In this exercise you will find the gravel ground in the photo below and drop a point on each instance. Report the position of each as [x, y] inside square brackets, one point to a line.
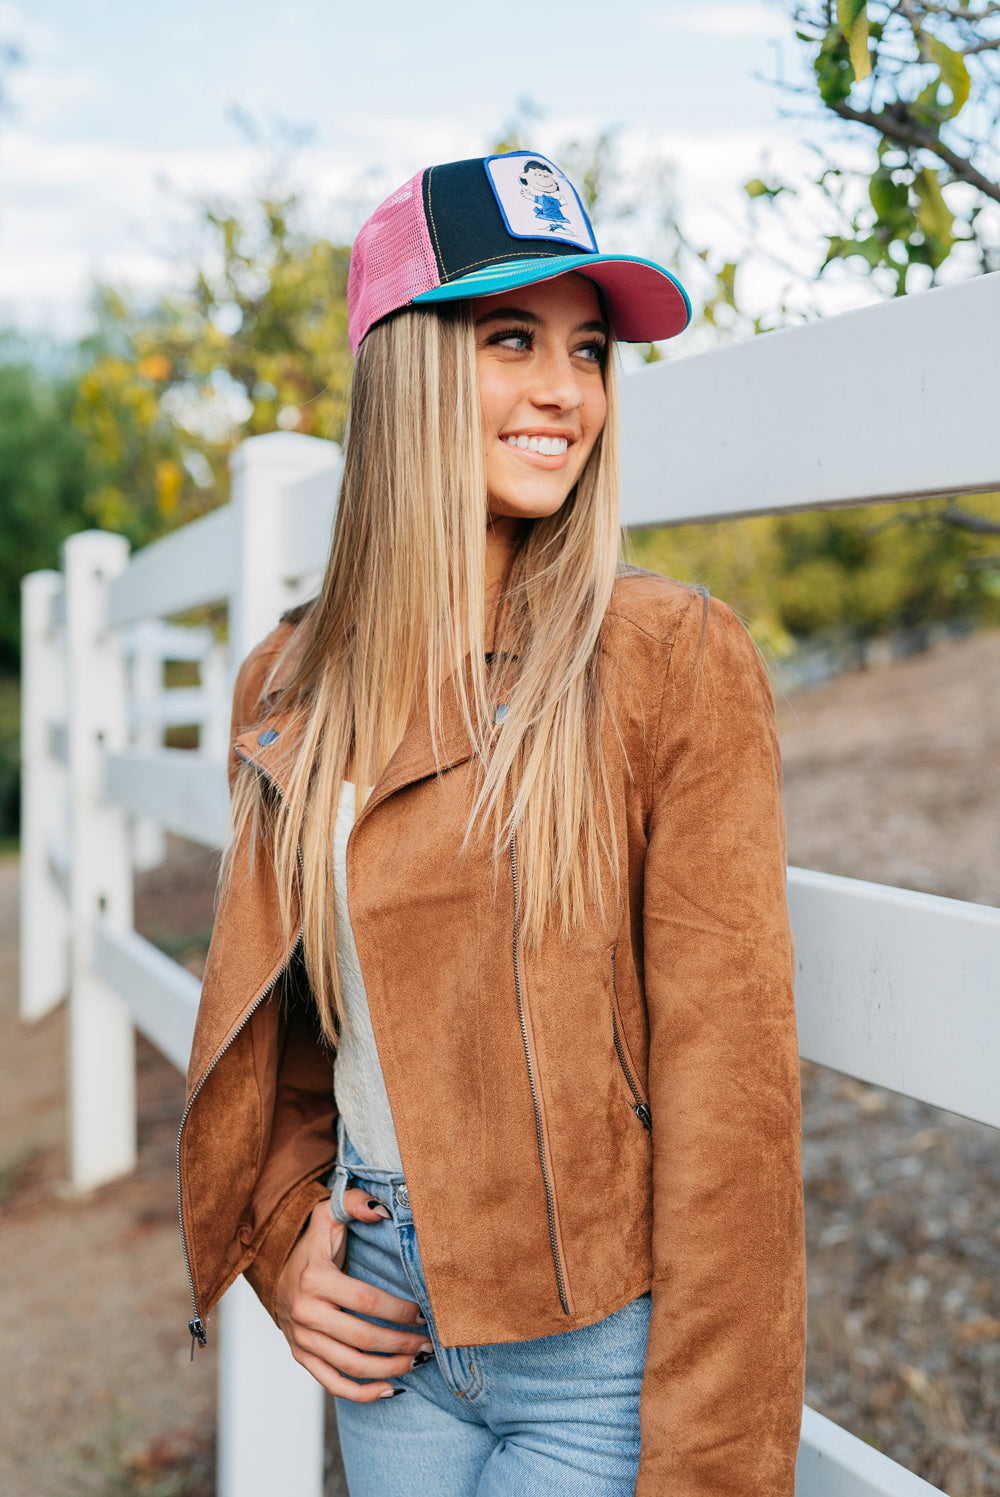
[891, 774]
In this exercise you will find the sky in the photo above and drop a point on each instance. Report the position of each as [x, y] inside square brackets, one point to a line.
[119, 114]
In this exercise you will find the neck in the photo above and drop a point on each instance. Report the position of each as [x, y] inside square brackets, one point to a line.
[502, 535]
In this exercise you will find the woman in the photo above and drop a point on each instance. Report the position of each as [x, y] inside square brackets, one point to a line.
[551, 958]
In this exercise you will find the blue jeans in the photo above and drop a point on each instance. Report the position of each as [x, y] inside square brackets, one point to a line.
[552, 1417]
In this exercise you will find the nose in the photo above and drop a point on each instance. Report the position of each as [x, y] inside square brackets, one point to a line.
[557, 386]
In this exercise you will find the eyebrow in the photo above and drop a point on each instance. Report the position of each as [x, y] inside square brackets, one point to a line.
[505, 314]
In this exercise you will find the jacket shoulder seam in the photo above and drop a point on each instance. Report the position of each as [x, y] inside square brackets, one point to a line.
[702, 596]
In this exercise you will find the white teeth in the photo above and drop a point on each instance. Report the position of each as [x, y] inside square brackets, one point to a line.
[547, 446]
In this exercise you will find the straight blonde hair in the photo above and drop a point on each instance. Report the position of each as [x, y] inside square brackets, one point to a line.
[402, 610]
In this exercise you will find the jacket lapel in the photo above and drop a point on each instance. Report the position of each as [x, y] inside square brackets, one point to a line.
[273, 744]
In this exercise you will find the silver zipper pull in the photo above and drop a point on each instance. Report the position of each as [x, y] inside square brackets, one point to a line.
[198, 1333]
[645, 1115]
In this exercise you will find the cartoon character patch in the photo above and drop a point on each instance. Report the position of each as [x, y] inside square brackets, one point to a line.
[537, 201]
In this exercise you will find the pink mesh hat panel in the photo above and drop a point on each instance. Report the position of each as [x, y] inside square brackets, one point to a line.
[392, 260]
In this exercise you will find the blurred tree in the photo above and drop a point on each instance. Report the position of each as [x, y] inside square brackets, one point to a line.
[257, 341]
[41, 480]
[920, 80]
[860, 572]
[41, 502]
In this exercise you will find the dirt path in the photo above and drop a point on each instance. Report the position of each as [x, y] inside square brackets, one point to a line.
[891, 775]
[99, 1395]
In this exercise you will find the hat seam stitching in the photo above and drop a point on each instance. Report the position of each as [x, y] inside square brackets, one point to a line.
[430, 213]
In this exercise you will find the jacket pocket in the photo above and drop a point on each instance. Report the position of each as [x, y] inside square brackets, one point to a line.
[640, 1106]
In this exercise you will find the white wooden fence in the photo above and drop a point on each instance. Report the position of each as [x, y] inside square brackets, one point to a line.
[896, 988]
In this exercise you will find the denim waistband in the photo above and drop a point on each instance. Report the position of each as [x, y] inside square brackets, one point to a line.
[350, 1167]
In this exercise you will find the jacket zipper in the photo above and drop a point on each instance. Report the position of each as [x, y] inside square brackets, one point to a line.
[550, 1204]
[196, 1325]
[640, 1106]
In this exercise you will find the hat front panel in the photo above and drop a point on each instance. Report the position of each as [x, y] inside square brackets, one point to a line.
[466, 226]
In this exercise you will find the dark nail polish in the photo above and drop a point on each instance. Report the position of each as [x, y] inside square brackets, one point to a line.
[422, 1357]
[373, 1205]
[394, 1394]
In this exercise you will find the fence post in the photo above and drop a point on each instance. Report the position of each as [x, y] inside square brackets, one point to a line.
[262, 1390]
[262, 468]
[271, 1412]
[44, 848]
[101, 1037]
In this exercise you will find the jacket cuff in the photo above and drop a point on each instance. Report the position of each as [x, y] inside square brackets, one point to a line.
[284, 1232]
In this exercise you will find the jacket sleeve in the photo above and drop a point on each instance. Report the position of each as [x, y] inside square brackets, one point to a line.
[722, 1392]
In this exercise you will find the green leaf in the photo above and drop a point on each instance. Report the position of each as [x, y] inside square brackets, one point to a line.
[953, 72]
[852, 18]
[834, 74]
[889, 199]
[727, 282]
[756, 188]
[933, 214]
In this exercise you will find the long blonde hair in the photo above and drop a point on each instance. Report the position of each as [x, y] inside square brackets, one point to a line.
[402, 603]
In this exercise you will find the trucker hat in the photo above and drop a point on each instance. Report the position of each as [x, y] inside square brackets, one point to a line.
[493, 223]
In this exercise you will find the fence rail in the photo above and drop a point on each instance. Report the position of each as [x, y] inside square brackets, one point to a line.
[894, 987]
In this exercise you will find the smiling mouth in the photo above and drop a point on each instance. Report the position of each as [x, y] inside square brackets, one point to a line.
[544, 446]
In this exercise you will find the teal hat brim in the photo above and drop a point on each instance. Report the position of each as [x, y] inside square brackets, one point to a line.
[645, 301]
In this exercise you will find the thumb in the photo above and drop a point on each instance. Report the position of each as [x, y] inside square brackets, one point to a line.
[364, 1207]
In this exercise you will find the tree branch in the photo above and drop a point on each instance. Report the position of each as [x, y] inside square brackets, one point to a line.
[895, 123]
[963, 520]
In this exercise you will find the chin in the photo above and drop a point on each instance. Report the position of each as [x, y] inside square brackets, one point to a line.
[523, 508]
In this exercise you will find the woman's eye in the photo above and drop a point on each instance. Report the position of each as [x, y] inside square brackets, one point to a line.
[517, 339]
[593, 352]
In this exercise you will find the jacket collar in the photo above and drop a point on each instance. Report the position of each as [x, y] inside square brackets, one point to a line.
[272, 745]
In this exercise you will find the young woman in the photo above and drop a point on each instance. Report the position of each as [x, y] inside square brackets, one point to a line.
[503, 941]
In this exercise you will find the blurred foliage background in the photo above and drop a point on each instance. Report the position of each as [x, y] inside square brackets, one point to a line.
[131, 428]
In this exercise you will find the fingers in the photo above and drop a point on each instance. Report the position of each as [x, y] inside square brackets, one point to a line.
[349, 1361]
[323, 1290]
[341, 1387]
[363, 1207]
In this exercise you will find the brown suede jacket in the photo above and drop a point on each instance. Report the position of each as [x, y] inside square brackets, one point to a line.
[614, 1114]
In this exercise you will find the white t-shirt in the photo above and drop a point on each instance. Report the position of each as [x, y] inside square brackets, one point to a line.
[359, 1089]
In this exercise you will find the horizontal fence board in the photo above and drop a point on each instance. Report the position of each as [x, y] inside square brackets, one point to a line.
[167, 641]
[192, 566]
[181, 791]
[783, 421]
[180, 706]
[899, 989]
[161, 995]
[833, 1463]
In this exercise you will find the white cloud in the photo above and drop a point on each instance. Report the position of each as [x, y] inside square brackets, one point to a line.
[726, 18]
[77, 211]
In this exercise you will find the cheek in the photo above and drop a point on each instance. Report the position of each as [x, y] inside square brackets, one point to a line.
[595, 413]
[495, 399]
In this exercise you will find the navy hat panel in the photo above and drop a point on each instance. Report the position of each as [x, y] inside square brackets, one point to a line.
[466, 226]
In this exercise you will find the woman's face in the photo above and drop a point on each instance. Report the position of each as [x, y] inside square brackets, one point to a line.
[540, 352]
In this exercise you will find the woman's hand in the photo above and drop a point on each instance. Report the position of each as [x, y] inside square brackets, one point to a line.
[313, 1294]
